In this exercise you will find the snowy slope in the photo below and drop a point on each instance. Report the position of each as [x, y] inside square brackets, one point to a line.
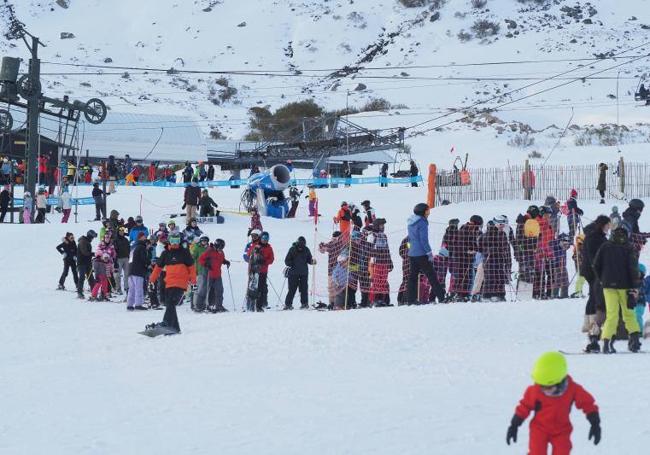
[77, 378]
[317, 38]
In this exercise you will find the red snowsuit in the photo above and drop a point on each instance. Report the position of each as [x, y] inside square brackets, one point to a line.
[551, 423]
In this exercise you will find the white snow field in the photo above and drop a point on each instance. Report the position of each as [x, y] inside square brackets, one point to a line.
[76, 378]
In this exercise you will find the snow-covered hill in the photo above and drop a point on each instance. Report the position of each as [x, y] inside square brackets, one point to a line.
[342, 52]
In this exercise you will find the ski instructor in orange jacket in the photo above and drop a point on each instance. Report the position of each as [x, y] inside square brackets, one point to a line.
[179, 272]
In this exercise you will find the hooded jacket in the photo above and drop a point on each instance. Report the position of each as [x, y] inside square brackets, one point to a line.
[298, 259]
[418, 234]
[616, 264]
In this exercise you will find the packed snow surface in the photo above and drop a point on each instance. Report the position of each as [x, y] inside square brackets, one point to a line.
[77, 378]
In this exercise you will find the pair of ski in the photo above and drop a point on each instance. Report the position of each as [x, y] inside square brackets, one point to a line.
[599, 353]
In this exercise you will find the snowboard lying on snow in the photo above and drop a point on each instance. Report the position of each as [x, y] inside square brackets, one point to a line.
[158, 330]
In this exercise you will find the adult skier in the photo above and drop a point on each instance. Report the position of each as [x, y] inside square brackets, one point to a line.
[122, 252]
[179, 273]
[294, 197]
[66, 205]
[369, 213]
[68, 249]
[191, 199]
[212, 259]
[137, 271]
[343, 218]
[495, 248]
[630, 222]
[298, 260]
[134, 232]
[84, 262]
[263, 255]
[617, 267]
[420, 254]
[100, 202]
[551, 399]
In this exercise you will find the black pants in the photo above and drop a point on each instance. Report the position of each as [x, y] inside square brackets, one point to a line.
[40, 218]
[421, 264]
[67, 265]
[3, 213]
[173, 296]
[100, 211]
[602, 194]
[297, 282]
[84, 271]
[263, 292]
[292, 210]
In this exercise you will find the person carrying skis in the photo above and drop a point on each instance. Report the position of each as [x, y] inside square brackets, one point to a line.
[84, 262]
[137, 271]
[212, 259]
[264, 251]
[298, 260]
[68, 249]
[617, 267]
[420, 254]
[551, 399]
[574, 214]
[179, 273]
[196, 250]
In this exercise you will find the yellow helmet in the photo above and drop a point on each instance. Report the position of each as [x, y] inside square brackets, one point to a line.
[550, 369]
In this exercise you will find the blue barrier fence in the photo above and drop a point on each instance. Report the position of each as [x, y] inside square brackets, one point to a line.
[53, 200]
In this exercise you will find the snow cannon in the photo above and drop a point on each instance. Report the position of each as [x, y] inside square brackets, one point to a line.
[265, 191]
[275, 179]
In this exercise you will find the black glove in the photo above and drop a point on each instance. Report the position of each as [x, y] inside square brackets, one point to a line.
[631, 299]
[226, 263]
[515, 423]
[183, 207]
[594, 431]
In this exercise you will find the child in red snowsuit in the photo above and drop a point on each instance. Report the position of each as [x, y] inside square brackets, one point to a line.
[551, 397]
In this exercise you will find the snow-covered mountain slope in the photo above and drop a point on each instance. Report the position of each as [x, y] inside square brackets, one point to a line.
[77, 378]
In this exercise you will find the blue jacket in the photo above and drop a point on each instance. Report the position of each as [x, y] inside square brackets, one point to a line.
[418, 231]
[133, 234]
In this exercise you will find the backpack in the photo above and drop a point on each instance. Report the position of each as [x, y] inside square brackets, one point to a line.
[531, 228]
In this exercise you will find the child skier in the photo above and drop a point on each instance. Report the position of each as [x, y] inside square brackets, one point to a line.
[28, 204]
[313, 200]
[551, 398]
[100, 265]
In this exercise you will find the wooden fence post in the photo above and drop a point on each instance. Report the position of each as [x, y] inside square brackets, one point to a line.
[431, 191]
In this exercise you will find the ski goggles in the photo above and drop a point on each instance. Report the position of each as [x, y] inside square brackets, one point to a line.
[555, 390]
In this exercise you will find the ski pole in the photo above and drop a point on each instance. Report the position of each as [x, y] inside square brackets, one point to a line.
[274, 291]
[282, 291]
[232, 296]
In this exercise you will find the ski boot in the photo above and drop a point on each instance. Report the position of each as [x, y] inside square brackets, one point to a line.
[80, 295]
[304, 306]
[91, 299]
[576, 295]
[593, 347]
[602, 201]
[633, 344]
[287, 308]
[608, 346]
[60, 287]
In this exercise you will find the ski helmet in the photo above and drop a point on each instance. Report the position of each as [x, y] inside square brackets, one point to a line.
[91, 234]
[533, 211]
[344, 204]
[204, 238]
[219, 244]
[550, 369]
[642, 269]
[637, 204]
[365, 203]
[265, 236]
[256, 232]
[420, 209]
[171, 223]
[138, 219]
[175, 239]
[574, 192]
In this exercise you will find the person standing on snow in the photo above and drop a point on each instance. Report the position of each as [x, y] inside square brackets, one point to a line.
[420, 254]
[551, 399]
[68, 249]
[575, 212]
[41, 205]
[615, 217]
[369, 217]
[343, 218]
[84, 262]
[196, 250]
[100, 202]
[602, 181]
[192, 231]
[298, 260]
[313, 199]
[294, 197]
[630, 222]
[212, 259]
[134, 232]
[179, 273]
[267, 258]
[383, 175]
[617, 267]
[137, 271]
[256, 222]
[414, 173]
[191, 199]
[5, 198]
[28, 206]
[66, 205]
[122, 252]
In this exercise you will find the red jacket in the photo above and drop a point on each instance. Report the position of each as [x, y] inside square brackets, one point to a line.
[216, 259]
[267, 255]
[552, 413]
